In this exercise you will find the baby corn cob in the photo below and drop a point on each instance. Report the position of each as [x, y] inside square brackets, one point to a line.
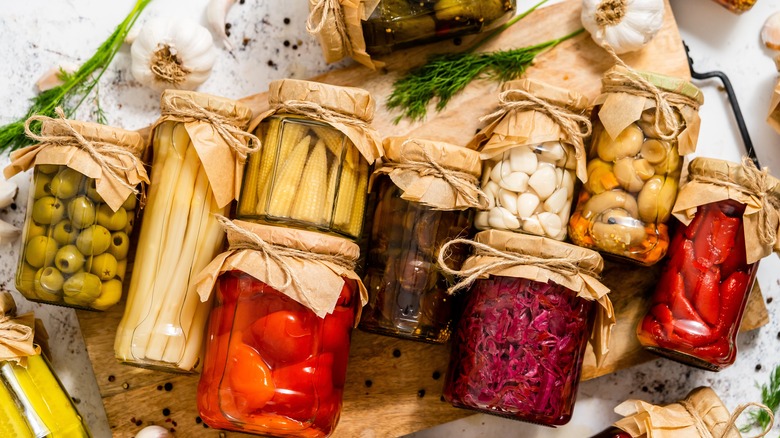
[295, 132]
[334, 140]
[356, 219]
[264, 162]
[286, 184]
[346, 193]
[309, 203]
[333, 184]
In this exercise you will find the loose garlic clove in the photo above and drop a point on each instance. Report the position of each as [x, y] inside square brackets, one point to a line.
[216, 12]
[8, 233]
[527, 204]
[770, 33]
[7, 192]
[508, 200]
[522, 159]
[543, 181]
[515, 182]
[53, 77]
[154, 432]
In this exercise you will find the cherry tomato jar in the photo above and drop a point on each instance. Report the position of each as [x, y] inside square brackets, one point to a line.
[274, 366]
[697, 307]
[520, 342]
[612, 432]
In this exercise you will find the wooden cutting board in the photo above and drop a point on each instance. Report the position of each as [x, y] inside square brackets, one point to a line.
[393, 387]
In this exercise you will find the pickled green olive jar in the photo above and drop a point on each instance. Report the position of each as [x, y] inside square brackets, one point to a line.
[310, 174]
[80, 214]
[407, 290]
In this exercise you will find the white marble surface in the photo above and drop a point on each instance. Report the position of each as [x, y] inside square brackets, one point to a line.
[39, 35]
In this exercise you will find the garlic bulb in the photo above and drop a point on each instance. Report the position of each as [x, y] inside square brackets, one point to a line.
[216, 12]
[623, 25]
[770, 33]
[172, 53]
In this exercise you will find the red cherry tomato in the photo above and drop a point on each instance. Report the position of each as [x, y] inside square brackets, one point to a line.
[284, 337]
[229, 286]
[248, 378]
[301, 387]
[336, 332]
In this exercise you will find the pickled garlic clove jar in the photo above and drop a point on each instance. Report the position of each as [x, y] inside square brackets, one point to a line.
[309, 174]
[276, 358]
[407, 292]
[76, 237]
[696, 310]
[531, 165]
[634, 168]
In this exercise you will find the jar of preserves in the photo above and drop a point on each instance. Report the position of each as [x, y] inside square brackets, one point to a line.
[534, 152]
[425, 193]
[695, 313]
[736, 6]
[279, 334]
[81, 210]
[520, 341]
[312, 171]
[643, 125]
[199, 148]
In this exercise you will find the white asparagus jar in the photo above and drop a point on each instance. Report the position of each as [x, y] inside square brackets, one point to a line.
[533, 153]
[199, 149]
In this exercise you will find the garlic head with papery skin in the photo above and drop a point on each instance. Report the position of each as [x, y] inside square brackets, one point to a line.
[172, 53]
[623, 25]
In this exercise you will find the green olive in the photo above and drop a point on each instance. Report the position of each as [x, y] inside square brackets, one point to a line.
[103, 265]
[64, 232]
[34, 229]
[130, 203]
[120, 245]
[25, 278]
[48, 210]
[81, 212]
[42, 185]
[47, 168]
[92, 191]
[82, 288]
[130, 224]
[110, 294]
[68, 259]
[93, 240]
[48, 283]
[66, 183]
[121, 269]
[113, 220]
[40, 251]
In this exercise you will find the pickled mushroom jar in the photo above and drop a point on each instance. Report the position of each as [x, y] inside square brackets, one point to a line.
[696, 310]
[199, 146]
[737, 6]
[419, 208]
[634, 164]
[520, 341]
[80, 214]
[276, 354]
[313, 169]
[534, 153]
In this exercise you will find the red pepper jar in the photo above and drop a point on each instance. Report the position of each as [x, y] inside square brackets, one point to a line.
[695, 313]
[276, 356]
[520, 342]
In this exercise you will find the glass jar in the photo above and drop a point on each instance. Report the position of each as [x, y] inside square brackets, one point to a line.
[76, 243]
[612, 432]
[399, 24]
[33, 403]
[309, 174]
[164, 320]
[520, 342]
[736, 6]
[407, 291]
[633, 173]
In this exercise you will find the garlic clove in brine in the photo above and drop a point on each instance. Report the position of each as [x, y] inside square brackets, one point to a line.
[172, 53]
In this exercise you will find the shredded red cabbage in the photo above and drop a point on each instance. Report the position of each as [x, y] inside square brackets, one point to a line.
[518, 350]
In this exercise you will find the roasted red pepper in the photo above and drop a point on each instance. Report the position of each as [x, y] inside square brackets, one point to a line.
[698, 304]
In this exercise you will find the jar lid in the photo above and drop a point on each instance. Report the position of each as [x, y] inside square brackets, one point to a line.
[728, 171]
[179, 102]
[667, 83]
[449, 156]
[302, 240]
[542, 247]
[96, 132]
[552, 94]
[349, 101]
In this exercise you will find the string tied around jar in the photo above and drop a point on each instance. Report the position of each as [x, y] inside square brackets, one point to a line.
[576, 127]
[704, 431]
[323, 11]
[463, 183]
[240, 141]
[505, 259]
[279, 255]
[316, 111]
[103, 153]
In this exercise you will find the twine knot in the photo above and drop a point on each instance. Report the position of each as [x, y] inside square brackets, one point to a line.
[318, 112]
[704, 431]
[323, 11]
[503, 260]
[240, 141]
[104, 154]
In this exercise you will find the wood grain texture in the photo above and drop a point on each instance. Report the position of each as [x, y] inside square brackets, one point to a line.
[403, 395]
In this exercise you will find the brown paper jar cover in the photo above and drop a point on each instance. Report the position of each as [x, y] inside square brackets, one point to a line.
[342, 36]
[16, 333]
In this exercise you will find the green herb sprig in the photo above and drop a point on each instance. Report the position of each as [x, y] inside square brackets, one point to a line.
[445, 75]
[76, 87]
[770, 396]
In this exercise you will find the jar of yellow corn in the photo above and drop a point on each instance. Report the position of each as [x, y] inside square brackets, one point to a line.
[312, 170]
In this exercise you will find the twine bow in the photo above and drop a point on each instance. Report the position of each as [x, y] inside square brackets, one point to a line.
[323, 11]
[576, 127]
[279, 255]
[240, 141]
[504, 260]
[704, 432]
[463, 183]
[104, 154]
